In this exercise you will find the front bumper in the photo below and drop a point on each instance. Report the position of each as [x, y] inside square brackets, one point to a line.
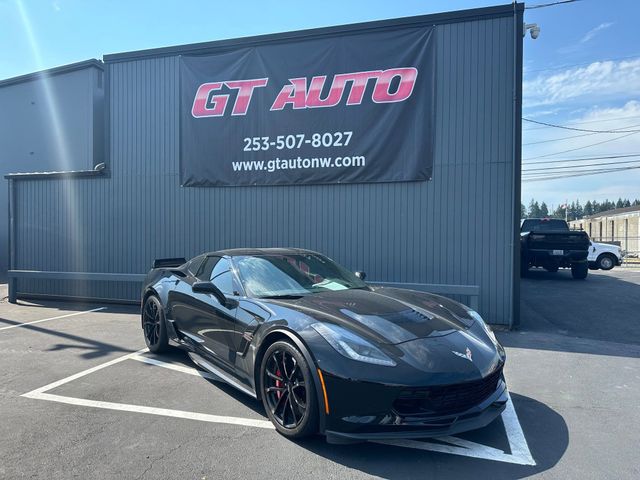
[367, 411]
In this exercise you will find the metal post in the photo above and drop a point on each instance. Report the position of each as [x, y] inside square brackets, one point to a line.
[13, 282]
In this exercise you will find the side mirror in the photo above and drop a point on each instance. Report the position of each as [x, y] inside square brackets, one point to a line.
[210, 288]
[361, 275]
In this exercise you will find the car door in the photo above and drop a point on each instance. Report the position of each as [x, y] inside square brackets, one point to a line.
[212, 324]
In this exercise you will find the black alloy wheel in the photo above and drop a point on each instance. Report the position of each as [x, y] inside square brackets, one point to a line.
[155, 330]
[288, 392]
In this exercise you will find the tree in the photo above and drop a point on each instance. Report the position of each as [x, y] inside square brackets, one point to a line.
[523, 211]
[626, 203]
[579, 210]
[534, 209]
[636, 202]
[544, 210]
[619, 203]
[588, 209]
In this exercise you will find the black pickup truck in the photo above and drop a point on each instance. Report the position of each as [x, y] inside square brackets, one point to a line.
[549, 243]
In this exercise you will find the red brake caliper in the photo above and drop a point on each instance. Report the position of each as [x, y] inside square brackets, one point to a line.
[278, 384]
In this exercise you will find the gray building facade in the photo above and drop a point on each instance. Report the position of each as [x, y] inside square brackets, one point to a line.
[455, 234]
[49, 121]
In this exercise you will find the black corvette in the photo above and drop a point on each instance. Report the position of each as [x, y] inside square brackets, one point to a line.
[324, 351]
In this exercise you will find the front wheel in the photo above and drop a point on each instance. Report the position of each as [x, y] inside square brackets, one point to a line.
[606, 262]
[288, 392]
[579, 271]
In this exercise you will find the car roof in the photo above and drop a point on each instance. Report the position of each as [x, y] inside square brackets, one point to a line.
[234, 252]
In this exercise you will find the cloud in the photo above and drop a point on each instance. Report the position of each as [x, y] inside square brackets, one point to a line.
[594, 31]
[625, 184]
[604, 79]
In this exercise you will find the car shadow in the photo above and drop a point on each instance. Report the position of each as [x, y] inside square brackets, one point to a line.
[545, 430]
[91, 348]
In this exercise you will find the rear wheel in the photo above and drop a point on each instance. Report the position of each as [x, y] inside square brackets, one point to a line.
[579, 271]
[154, 326]
[288, 391]
[606, 262]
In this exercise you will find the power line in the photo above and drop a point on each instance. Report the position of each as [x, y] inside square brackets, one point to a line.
[543, 5]
[564, 167]
[583, 122]
[582, 148]
[558, 139]
[584, 159]
[540, 179]
[578, 129]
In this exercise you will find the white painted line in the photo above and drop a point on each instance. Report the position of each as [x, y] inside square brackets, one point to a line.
[519, 455]
[39, 394]
[177, 368]
[52, 318]
[166, 412]
[71, 378]
[517, 442]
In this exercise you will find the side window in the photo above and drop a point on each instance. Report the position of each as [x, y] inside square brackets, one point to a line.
[204, 272]
[222, 277]
[195, 264]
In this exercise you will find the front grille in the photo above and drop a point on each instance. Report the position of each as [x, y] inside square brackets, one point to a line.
[446, 399]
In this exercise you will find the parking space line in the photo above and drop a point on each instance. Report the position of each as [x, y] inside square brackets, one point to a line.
[52, 318]
[73, 377]
[520, 453]
[177, 368]
[166, 412]
[519, 449]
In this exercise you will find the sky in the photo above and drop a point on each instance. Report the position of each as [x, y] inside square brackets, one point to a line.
[583, 71]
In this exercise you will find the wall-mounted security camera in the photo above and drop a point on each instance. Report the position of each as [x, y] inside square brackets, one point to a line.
[534, 30]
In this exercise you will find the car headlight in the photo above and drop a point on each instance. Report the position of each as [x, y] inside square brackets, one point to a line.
[478, 318]
[351, 345]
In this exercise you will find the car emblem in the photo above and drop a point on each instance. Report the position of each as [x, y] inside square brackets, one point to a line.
[466, 355]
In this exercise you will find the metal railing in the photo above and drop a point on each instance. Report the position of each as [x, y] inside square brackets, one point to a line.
[15, 275]
[471, 292]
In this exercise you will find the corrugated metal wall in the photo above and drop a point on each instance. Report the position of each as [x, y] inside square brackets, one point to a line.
[456, 229]
[34, 139]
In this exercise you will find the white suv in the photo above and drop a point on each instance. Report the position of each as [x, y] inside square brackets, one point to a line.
[604, 256]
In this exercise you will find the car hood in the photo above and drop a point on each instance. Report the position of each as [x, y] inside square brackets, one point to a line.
[385, 315]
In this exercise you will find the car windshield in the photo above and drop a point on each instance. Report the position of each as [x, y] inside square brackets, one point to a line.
[292, 275]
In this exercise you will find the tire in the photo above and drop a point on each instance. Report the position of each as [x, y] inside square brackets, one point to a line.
[606, 262]
[551, 268]
[154, 326]
[285, 375]
[579, 271]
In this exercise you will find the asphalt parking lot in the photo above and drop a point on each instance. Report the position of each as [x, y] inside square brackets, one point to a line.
[81, 398]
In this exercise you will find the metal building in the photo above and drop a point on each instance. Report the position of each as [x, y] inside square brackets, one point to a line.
[92, 233]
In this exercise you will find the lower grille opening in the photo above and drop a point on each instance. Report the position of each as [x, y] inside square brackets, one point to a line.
[446, 399]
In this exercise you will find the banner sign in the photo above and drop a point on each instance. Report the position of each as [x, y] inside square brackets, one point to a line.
[350, 108]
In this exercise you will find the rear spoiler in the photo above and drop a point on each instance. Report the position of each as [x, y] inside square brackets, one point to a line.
[168, 262]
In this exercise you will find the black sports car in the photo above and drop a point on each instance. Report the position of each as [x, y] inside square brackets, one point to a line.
[324, 351]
